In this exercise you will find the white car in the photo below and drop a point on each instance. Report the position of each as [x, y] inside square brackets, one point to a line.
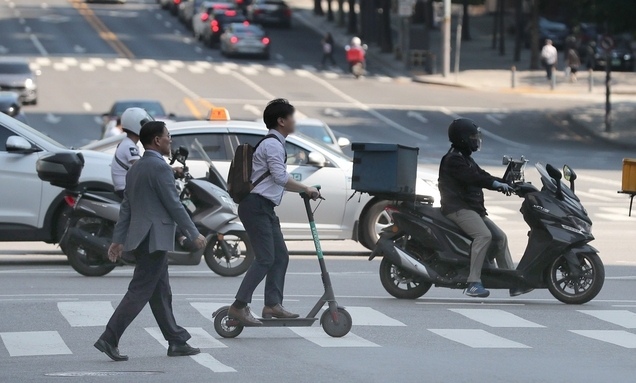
[33, 210]
[339, 216]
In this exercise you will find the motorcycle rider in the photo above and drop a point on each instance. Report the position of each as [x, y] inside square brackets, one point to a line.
[355, 53]
[461, 182]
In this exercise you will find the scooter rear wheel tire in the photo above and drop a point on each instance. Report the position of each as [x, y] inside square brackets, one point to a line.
[223, 329]
[392, 285]
[333, 329]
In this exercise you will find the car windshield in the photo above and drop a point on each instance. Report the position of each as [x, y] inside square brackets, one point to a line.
[246, 30]
[28, 132]
[316, 132]
[153, 108]
[14, 68]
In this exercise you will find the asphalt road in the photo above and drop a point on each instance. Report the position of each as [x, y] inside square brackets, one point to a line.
[91, 55]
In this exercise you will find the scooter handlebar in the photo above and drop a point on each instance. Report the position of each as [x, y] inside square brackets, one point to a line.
[307, 196]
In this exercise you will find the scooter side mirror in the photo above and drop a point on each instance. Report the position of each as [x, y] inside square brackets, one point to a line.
[569, 174]
[553, 172]
[506, 160]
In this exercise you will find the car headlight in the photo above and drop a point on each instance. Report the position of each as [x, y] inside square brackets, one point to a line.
[28, 83]
[627, 57]
[581, 224]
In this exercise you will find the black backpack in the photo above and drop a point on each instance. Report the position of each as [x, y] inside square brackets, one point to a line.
[239, 182]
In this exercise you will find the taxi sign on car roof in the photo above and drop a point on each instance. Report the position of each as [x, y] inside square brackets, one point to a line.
[219, 114]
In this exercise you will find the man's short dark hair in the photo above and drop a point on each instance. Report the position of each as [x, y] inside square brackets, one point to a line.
[275, 109]
[150, 130]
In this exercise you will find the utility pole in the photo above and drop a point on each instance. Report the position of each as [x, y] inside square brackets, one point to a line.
[446, 39]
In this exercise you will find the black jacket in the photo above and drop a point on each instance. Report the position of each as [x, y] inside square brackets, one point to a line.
[461, 182]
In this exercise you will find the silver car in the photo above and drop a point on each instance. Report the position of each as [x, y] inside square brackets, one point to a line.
[245, 39]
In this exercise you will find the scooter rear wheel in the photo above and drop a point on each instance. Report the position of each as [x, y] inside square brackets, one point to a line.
[339, 329]
[233, 258]
[83, 260]
[224, 326]
[572, 288]
[400, 283]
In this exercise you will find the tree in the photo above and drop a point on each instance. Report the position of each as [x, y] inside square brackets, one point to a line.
[329, 11]
[466, 22]
[534, 34]
[341, 14]
[318, 8]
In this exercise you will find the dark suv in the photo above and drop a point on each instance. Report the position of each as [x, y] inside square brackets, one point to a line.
[270, 12]
[219, 20]
[16, 76]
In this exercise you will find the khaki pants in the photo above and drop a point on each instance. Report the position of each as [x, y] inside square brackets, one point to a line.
[484, 232]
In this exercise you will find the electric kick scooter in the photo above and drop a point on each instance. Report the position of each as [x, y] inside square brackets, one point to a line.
[335, 321]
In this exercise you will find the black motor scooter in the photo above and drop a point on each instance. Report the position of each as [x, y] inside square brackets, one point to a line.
[423, 248]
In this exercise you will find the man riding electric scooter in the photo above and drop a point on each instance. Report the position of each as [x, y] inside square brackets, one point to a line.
[461, 182]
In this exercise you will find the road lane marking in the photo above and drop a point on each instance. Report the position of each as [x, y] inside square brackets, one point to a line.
[207, 308]
[200, 337]
[86, 314]
[192, 108]
[485, 132]
[366, 316]
[617, 337]
[251, 108]
[106, 34]
[361, 105]
[276, 71]
[592, 195]
[204, 359]
[496, 318]
[418, 116]
[477, 338]
[317, 336]
[177, 84]
[31, 343]
[38, 45]
[252, 85]
[623, 318]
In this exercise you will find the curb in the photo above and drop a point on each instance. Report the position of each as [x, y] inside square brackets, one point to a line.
[598, 135]
[420, 80]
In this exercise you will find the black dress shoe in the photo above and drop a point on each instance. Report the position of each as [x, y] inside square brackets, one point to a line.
[182, 350]
[515, 292]
[110, 350]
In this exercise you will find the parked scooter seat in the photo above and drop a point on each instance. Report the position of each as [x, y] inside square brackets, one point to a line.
[436, 215]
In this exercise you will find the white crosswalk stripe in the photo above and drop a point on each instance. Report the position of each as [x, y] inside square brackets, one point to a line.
[32, 343]
[623, 318]
[477, 338]
[317, 336]
[86, 314]
[200, 337]
[618, 337]
[496, 318]
[366, 316]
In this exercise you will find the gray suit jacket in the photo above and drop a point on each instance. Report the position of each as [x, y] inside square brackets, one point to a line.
[151, 207]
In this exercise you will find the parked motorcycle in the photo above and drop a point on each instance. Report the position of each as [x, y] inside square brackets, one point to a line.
[94, 214]
[423, 248]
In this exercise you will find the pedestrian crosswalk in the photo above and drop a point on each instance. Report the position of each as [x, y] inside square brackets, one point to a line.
[505, 327]
[65, 64]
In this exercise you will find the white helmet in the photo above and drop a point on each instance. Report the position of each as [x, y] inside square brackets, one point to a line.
[133, 119]
[356, 42]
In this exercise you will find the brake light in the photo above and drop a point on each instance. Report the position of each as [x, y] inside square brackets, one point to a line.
[265, 40]
[214, 25]
[246, 23]
[70, 200]
[234, 39]
[230, 13]
[205, 17]
[177, 2]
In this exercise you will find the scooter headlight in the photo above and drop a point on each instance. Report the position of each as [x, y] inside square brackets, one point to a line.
[581, 224]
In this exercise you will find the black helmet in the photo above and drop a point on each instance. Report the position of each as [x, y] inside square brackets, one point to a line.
[465, 135]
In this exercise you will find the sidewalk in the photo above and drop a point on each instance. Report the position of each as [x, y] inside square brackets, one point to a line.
[483, 69]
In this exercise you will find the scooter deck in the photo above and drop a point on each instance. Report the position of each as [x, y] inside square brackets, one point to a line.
[274, 322]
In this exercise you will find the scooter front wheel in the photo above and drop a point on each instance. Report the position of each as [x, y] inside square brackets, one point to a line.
[576, 286]
[225, 326]
[339, 326]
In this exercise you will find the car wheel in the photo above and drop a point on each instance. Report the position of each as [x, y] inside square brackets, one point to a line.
[373, 220]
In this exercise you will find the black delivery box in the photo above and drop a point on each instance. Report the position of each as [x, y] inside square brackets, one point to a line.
[384, 169]
[62, 169]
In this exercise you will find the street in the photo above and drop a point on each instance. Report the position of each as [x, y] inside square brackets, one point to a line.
[93, 54]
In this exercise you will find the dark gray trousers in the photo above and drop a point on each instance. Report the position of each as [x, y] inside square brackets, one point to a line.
[150, 284]
[271, 255]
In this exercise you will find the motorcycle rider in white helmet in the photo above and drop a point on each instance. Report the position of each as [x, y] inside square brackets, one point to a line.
[127, 152]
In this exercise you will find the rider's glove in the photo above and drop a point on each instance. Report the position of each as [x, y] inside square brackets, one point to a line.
[502, 187]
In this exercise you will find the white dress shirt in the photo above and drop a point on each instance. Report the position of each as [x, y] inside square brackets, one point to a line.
[270, 155]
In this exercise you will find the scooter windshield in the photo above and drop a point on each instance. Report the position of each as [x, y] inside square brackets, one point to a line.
[569, 198]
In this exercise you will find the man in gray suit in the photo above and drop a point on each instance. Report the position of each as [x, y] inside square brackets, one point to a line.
[148, 218]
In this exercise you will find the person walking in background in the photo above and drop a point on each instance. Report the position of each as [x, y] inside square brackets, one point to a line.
[147, 222]
[549, 57]
[573, 62]
[327, 50]
[115, 130]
